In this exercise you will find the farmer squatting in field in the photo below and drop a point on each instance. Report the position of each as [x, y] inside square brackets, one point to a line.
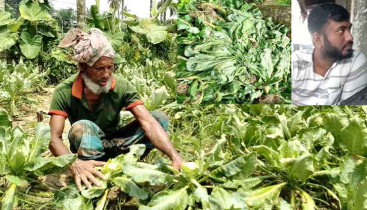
[92, 100]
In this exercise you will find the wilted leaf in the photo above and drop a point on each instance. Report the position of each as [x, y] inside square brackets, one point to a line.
[256, 199]
[70, 199]
[157, 98]
[221, 199]
[302, 168]
[141, 176]
[16, 180]
[95, 191]
[8, 200]
[43, 165]
[129, 187]
[168, 200]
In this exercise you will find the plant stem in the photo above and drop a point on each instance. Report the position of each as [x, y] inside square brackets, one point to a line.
[101, 203]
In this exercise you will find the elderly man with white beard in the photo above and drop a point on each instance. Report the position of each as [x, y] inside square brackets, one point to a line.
[92, 100]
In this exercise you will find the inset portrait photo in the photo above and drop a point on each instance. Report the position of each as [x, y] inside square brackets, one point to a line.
[329, 65]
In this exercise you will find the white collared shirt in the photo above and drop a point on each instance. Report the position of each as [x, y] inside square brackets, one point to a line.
[344, 78]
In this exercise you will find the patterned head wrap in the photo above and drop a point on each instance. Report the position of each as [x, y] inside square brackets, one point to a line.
[88, 47]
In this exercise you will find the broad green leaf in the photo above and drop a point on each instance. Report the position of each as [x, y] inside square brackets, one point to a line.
[129, 187]
[270, 155]
[113, 166]
[335, 123]
[14, 26]
[256, 199]
[201, 195]
[353, 173]
[236, 166]
[283, 121]
[168, 200]
[7, 39]
[354, 137]
[203, 62]
[302, 168]
[134, 154]
[16, 180]
[216, 156]
[5, 18]
[116, 39]
[154, 33]
[291, 150]
[4, 166]
[34, 12]
[18, 156]
[182, 25]
[267, 63]
[30, 46]
[4, 119]
[360, 196]
[157, 98]
[43, 166]
[70, 199]
[40, 142]
[313, 136]
[95, 191]
[296, 123]
[221, 199]
[141, 176]
[284, 205]
[347, 168]
[8, 200]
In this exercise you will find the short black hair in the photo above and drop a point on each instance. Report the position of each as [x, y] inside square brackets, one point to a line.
[320, 15]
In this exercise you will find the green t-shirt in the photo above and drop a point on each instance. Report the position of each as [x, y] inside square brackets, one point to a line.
[69, 101]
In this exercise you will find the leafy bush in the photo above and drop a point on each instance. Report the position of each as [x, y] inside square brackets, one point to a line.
[21, 161]
[30, 33]
[16, 81]
[59, 63]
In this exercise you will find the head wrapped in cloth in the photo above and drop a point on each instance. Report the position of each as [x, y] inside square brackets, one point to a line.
[88, 47]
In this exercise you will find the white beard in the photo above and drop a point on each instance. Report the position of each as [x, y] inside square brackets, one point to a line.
[94, 87]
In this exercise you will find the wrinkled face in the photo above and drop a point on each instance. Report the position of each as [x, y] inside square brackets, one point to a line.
[337, 40]
[101, 72]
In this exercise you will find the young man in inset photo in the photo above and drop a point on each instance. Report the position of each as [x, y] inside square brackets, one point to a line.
[331, 71]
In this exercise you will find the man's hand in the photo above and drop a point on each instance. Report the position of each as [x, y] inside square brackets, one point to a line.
[177, 162]
[83, 170]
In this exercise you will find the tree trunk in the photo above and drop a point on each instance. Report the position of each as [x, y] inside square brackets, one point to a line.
[151, 7]
[122, 8]
[2, 5]
[80, 13]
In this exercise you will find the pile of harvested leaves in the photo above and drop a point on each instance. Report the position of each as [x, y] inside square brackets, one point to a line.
[229, 52]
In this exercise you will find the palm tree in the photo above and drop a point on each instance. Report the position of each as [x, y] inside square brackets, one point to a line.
[80, 13]
[151, 7]
[117, 6]
[172, 8]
